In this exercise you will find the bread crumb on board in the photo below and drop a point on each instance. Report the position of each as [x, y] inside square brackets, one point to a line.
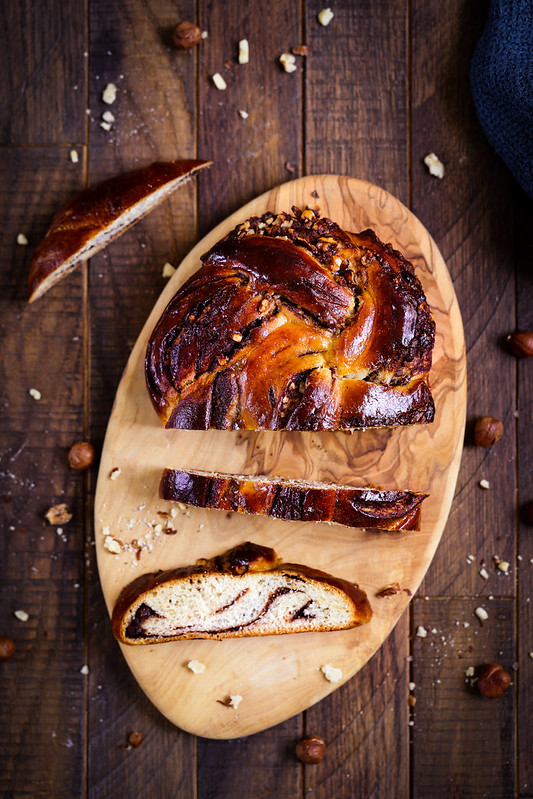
[421, 632]
[482, 614]
[109, 95]
[21, 615]
[196, 666]
[325, 16]
[434, 165]
[331, 673]
[244, 51]
[22, 240]
[112, 545]
[219, 81]
[235, 700]
[288, 62]
[35, 393]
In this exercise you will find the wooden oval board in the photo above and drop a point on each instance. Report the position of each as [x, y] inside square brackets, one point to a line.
[279, 676]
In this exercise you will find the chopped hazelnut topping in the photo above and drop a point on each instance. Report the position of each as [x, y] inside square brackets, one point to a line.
[482, 614]
[168, 270]
[105, 126]
[219, 81]
[389, 590]
[114, 473]
[503, 566]
[74, 156]
[331, 673]
[196, 667]
[58, 514]
[234, 701]
[237, 337]
[109, 95]
[421, 632]
[325, 16]
[484, 484]
[135, 739]
[22, 240]
[470, 671]
[205, 34]
[243, 114]
[107, 116]
[301, 49]
[22, 615]
[244, 51]
[112, 545]
[180, 506]
[411, 686]
[484, 573]
[35, 393]
[288, 62]
[434, 165]
[84, 670]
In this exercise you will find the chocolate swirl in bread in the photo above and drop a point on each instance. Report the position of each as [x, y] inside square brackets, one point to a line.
[294, 323]
[294, 500]
[246, 591]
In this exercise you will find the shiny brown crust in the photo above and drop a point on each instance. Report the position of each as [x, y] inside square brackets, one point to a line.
[292, 323]
[92, 219]
[295, 500]
[247, 558]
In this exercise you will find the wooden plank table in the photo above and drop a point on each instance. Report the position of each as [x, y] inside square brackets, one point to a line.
[383, 85]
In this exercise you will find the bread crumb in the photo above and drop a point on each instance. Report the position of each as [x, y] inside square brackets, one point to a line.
[107, 116]
[112, 545]
[331, 673]
[421, 632]
[22, 615]
[196, 667]
[482, 614]
[168, 269]
[244, 114]
[470, 671]
[325, 16]
[484, 573]
[174, 512]
[105, 126]
[109, 95]
[234, 701]
[35, 393]
[411, 686]
[84, 670]
[205, 34]
[434, 165]
[114, 473]
[74, 156]
[22, 240]
[484, 484]
[288, 62]
[244, 51]
[219, 81]
[180, 506]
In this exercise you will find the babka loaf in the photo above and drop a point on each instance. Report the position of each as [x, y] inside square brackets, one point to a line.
[292, 323]
[294, 500]
[96, 216]
[246, 591]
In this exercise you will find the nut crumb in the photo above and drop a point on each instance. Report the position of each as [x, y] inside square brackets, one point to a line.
[219, 81]
[107, 116]
[58, 514]
[411, 686]
[434, 165]
[421, 632]
[180, 506]
[81, 456]
[243, 114]
[22, 240]
[389, 590]
[411, 700]
[35, 393]
[331, 673]
[84, 670]
[470, 671]
[105, 126]
[503, 566]
[235, 700]
[484, 573]
[482, 614]
[244, 51]
[196, 666]
[174, 512]
[22, 615]
[74, 157]
[205, 34]
[168, 270]
[109, 95]
[134, 739]
[301, 49]
[288, 62]
[7, 648]
[325, 16]
[237, 337]
[112, 545]
[484, 484]
[114, 473]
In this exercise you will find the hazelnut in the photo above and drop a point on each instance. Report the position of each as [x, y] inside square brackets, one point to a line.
[81, 456]
[7, 648]
[521, 343]
[58, 514]
[487, 431]
[493, 680]
[135, 739]
[311, 749]
[186, 35]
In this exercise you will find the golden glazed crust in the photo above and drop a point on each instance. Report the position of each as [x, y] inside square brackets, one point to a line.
[292, 323]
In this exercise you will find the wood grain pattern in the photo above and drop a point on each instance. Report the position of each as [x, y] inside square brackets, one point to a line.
[138, 447]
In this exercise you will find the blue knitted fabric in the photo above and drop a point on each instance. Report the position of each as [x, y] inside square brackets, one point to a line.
[501, 77]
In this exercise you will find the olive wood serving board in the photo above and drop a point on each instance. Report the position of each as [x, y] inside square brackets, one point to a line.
[279, 676]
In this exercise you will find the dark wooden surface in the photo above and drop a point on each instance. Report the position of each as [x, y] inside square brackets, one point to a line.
[384, 84]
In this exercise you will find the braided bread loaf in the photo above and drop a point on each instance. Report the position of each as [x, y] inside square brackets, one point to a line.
[292, 323]
[246, 591]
